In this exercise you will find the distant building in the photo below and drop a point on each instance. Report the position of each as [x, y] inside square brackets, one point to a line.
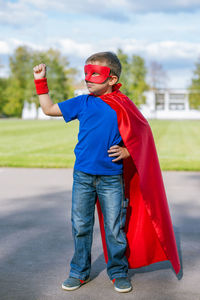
[168, 104]
[30, 112]
[160, 104]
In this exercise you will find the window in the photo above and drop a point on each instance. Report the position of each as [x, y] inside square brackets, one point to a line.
[176, 106]
[160, 101]
[177, 96]
[177, 101]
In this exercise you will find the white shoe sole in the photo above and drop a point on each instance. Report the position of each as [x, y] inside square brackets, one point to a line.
[67, 288]
[70, 288]
[123, 290]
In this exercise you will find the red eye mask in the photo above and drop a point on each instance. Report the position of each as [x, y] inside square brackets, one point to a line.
[102, 71]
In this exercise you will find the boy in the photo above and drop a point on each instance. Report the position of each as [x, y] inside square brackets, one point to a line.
[115, 145]
[96, 173]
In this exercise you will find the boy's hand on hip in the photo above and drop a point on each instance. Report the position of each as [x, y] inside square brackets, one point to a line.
[118, 152]
[39, 71]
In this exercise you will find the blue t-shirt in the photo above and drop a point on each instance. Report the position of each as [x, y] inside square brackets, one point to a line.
[98, 131]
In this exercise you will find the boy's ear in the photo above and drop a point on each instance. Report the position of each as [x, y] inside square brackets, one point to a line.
[113, 79]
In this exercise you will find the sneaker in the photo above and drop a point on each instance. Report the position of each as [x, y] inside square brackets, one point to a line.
[122, 285]
[72, 283]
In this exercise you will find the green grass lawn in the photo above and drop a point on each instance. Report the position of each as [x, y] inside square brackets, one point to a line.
[51, 143]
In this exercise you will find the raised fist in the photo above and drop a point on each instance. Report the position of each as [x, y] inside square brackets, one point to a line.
[39, 71]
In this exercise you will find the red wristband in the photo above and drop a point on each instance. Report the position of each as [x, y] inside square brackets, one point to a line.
[41, 86]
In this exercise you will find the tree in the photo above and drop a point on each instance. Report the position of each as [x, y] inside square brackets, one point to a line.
[125, 74]
[194, 88]
[3, 84]
[13, 99]
[21, 84]
[138, 79]
[59, 76]
[20, 66]
[133, 77]
[157, 75]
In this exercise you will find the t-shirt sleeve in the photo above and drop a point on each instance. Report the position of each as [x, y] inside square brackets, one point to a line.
[71, 108]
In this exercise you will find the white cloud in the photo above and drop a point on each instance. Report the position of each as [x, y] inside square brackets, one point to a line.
[71, 47]
[115, 5]
[173, 55]
[161, 51]
[173, 6]
[112, 10]
[26, 12]
[9, 45]
[4, 48]
[164, 51]
[118, 10]
[16, 13]
[66, 46]
[30, 11]
[75, 28]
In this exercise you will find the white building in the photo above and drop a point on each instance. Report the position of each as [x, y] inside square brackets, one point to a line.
[30, 112]
[168, 104]
[160, 104]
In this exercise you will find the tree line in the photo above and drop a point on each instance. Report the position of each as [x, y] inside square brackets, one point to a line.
[18, 87]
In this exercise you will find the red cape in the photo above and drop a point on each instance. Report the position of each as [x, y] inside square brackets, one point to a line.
[149, 230]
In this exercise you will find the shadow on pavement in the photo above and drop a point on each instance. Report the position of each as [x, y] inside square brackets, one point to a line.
[36, 245]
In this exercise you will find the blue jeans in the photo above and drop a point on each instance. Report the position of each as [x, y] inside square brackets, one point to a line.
[110, 191]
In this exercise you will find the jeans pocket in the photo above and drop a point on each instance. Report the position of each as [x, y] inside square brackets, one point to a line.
[123, 212]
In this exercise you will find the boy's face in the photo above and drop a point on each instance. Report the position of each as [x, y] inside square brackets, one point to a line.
[98, 79]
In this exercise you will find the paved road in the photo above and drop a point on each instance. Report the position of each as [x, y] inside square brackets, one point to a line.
[36, 244]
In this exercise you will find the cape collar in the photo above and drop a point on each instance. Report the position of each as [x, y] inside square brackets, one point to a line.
[116, 87]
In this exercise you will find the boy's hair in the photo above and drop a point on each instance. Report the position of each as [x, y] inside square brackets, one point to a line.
[111, 60]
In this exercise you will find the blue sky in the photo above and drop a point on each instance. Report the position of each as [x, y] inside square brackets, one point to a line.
[168, 33]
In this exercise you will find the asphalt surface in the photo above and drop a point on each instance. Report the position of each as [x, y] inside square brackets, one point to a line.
[36, 242]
